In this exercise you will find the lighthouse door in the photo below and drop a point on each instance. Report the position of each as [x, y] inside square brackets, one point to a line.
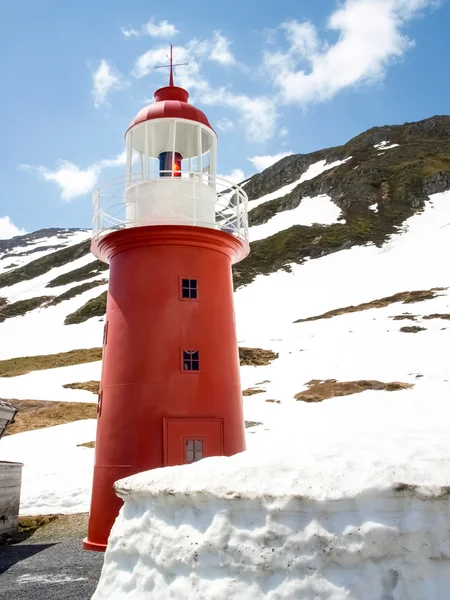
[190, 440]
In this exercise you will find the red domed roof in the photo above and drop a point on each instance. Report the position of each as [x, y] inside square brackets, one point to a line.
[171, 102]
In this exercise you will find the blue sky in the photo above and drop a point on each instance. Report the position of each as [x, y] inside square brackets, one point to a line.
[272, 77]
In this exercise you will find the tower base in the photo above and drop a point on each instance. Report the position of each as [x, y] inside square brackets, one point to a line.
[87, 545]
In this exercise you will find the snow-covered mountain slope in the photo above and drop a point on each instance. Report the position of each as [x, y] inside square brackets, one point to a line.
[370, 292]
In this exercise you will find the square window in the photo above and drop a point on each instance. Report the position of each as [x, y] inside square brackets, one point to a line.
[194, 451]
[191, 361]
[189, 289]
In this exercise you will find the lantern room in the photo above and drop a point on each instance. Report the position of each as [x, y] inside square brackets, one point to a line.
[171, 137]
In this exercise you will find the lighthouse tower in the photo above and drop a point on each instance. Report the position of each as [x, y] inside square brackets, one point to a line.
[170, 230]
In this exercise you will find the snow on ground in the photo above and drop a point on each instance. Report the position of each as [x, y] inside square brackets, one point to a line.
[312, 171]
[319, 209]
[374, 207]
[47, 384]
[42, 331]
[385, 145]
[414, 260]
[13, 256]
[31, 288]
[57, 476]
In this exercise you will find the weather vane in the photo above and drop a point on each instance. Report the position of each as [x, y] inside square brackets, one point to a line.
[171, 66]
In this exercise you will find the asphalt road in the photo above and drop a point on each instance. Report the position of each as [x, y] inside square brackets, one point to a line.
[47, 571]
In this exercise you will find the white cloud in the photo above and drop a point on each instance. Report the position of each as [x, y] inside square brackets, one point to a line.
[283, 132]
[225, 124]
[258, 115]
[263, 162]
[370, 38]
[236, 176]
[8, 229]
[105, 79]
[164, 29]
[74, 181]
[130, 32]
[220, 51]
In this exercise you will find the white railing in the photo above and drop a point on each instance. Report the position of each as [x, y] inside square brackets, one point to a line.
[194, 199]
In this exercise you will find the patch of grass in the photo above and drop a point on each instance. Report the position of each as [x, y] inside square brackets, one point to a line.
[89, 386]
[22, 307]
[77, 290]
[252, 424]
[86, 445]
[87, 272]
[256, 357]
[437, 316]
[404, 297]
[49, 528]
[45, 263]
[13, 367]
[319, 390]
[251, 391]
[38, 414]
[29, 524]
[96, 307]
[404, 317]
[412, 329]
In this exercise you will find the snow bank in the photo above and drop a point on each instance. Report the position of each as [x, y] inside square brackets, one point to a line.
[328, 520]
[57, 475]
[319, 209]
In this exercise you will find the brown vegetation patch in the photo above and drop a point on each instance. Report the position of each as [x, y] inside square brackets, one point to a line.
[404, 297]
[22, 307]
[412, 329]
[273, 401]
[256, 357]
[37, 414]
[252, 424]
[87, 272]
[13, 367]
[49, 528]
[437, 316]
[251, 391]
[89, 386]
[86, 445]
[24, 364]
[77, 290]
[319, 390]
[95, 307]
[44, 264]
[404, 317]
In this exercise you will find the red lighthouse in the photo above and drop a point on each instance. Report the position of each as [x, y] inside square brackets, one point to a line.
[171, 229]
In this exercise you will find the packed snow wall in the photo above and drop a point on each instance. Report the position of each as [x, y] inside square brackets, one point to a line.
[250, 528]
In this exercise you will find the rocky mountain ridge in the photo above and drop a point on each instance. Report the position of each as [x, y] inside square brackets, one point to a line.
[384, 176]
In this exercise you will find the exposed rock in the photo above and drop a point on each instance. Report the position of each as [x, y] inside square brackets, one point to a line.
[399, 180]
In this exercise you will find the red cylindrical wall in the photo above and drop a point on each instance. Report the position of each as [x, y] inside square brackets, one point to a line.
[148, 325]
